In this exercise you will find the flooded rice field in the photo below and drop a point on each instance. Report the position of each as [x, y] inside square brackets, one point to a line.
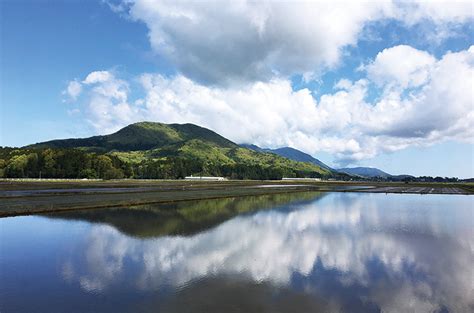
[296, 252]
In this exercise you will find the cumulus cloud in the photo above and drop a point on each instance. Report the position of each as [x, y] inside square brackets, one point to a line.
[442, 106]
[220, 43]
[106, 101]
[425, 102]
[402, 65]
[213, 42]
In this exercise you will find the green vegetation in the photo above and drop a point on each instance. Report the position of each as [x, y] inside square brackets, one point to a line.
[151, 150]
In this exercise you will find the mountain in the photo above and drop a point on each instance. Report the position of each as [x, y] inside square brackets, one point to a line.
[365, 172]
[290, 153]
[203, 152]
[141, 136]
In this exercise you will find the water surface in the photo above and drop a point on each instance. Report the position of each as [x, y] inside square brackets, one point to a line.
[308, 252]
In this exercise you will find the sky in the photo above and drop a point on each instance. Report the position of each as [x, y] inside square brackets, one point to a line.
[387, 84]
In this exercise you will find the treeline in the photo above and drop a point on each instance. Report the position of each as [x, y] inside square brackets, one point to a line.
[77, 163]
[59, 163]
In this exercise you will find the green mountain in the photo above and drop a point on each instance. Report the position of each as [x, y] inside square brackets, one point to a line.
[141, 136]
[157, 150]
[289, 153]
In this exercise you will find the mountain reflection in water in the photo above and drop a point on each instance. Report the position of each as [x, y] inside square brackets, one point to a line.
[341, 252]
[182, 218]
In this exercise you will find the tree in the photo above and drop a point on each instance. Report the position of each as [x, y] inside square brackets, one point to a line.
[113, 173]
[103, 164]
[32, 165]
[48, 163]
[88, 173]
[3, 164]
[16, 166]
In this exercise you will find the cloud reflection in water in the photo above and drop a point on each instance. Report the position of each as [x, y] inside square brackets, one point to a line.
[403, 253]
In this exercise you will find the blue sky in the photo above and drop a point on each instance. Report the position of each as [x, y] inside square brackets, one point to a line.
[388, 85]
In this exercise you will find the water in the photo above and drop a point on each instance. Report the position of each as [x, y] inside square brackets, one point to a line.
[35, 192]
[336, 252]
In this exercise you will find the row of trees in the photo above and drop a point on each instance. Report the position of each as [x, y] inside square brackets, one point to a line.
[76, 163]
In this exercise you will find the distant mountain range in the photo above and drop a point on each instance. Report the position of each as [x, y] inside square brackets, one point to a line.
[297, 155]
[372, 172]
[290, 153]
[365, 172]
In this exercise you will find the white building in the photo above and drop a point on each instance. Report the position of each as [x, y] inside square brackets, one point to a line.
[209, 178]
[311, 179]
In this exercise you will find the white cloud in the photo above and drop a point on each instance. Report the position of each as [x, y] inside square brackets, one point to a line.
[344, 123]
[106, 102]
[73, 90]
[238, 41]
[437, 11]
[98, 77]
[402, 66]
[223, 43]
[443, 103]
